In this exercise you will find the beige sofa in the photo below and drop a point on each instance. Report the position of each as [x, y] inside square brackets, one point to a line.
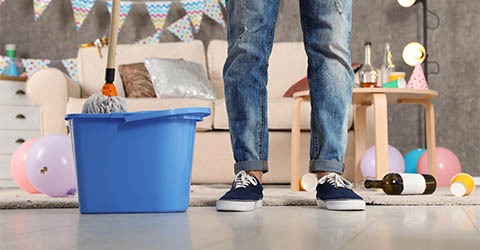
[57, 95]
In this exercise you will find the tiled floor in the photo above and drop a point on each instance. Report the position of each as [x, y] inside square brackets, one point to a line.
[379, 227]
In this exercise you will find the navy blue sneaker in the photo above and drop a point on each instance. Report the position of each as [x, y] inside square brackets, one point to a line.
[245, 194]
[335, 193]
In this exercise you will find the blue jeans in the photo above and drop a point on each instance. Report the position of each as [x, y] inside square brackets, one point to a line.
[326, 26]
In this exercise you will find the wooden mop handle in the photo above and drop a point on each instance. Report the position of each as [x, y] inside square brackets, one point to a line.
[110, 74]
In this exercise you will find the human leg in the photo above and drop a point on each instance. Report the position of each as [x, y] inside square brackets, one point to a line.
[251, 26]
[326, 27]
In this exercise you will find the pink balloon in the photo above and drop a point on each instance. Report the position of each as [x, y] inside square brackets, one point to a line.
[396, 163]
[50, 166]
[17, 167]
[448, 165]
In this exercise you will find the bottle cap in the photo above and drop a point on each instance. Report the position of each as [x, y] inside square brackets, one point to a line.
[10, 46]
[368, 43]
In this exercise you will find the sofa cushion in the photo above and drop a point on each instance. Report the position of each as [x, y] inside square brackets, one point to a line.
[279, 114]
[178, 78]
[91, 67]
[136, 80]
[216, 56]
[75, 105]
[287, 64]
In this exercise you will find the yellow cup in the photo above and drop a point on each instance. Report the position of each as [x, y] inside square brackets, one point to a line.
[395, 75]
[462, 185]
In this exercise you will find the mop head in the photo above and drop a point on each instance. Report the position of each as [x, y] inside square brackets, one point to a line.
[102, 104]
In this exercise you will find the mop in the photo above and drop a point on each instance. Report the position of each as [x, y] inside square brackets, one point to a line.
[108, 101]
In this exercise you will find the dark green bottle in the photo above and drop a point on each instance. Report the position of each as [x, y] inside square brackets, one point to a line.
[398, 184]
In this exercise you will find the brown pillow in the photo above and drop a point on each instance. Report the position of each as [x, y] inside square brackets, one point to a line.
[297, 87]
[302, 85]
[136, 80]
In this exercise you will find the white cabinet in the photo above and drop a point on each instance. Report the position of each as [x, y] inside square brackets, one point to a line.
[19, 122]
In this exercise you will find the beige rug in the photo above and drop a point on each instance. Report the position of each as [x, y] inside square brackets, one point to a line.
[206, 195]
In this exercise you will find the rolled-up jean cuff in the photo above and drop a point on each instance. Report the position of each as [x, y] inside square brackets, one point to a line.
[326, 166]
[251, 166]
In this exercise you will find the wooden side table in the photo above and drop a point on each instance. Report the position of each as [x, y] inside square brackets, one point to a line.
[362, 98]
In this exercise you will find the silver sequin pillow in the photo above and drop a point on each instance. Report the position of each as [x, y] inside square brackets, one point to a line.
[179, 78]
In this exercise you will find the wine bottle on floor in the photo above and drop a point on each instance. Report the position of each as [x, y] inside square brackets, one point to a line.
[398, 184]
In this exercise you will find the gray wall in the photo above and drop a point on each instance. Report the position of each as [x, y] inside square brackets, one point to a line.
[454, 45]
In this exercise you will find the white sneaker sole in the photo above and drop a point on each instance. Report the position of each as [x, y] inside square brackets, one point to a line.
[342, 205]
[238, 206]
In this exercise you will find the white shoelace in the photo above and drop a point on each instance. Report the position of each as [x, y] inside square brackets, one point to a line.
[242, 180]
[336, 180]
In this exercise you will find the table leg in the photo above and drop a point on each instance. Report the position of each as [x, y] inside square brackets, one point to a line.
[430, 133]
[381, 134]
[295, 146]
[360, 120]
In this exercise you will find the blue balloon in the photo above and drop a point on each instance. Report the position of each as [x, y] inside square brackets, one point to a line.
[411, 160]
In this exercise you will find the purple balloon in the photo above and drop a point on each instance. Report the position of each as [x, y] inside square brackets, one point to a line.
[50, 166]
[396, 163]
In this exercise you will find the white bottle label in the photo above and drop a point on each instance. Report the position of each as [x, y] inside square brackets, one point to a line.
[413, 184]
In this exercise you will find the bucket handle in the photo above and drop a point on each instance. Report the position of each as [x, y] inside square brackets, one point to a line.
[153, 114]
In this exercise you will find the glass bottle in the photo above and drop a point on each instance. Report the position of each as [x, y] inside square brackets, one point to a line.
[387, 66]
[397, 184]
[11, 68]
[368, 74]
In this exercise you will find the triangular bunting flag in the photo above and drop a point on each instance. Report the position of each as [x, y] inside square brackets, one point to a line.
[72, 67]
[212, 10]
[81, 9]
[4, 62]
[153, 39]
[124, 9]
[158, 12]
[194, 9]
[223, 3]
[39, 7]
[32, 65]
[182, 29]
[417, 79]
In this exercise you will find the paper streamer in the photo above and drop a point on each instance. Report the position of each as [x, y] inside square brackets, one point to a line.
[81, 9]
[153, 39]
[4, 62]
[213, 10]
[417, 79]
[158, 12]
[32, 65]
[39, 7]
[194, 9]
[181, 28]
[124, 9]
[71, 65]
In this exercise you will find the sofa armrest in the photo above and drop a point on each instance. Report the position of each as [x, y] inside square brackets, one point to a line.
[50, 89]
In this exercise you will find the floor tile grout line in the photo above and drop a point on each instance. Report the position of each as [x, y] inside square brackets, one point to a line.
[356, 235]
[471, 220]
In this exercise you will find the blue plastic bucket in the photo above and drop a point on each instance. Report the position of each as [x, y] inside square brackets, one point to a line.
[134, 162]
